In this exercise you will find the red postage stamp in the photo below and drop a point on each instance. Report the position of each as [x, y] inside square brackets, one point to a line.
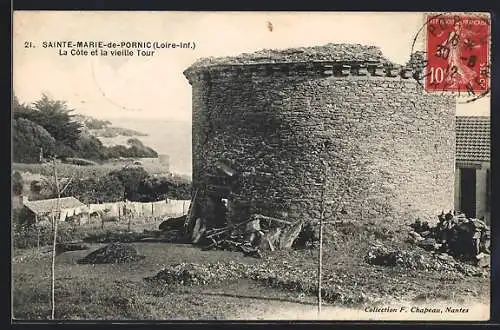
[458, 53]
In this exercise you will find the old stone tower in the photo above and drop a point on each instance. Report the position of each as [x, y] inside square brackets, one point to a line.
[267, 125]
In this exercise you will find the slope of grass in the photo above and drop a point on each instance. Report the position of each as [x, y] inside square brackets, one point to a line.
[68, 170]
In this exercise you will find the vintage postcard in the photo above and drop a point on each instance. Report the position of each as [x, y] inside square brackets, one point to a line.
[251, 166]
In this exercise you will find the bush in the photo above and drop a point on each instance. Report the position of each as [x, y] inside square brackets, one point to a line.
[158, 188]
[24, 237]
[79, 161]
[131, 178]
[17, 184]
[29, 236]
[27, 140]
[22, 217]
[35, 187]
[98, 189]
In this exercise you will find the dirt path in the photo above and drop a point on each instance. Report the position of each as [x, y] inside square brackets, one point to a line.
[250, 301]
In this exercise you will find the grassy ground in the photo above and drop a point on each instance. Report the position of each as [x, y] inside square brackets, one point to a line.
[120, 292]
[115, 291]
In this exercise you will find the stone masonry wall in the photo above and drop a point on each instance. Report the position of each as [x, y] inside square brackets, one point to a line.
[389, 146]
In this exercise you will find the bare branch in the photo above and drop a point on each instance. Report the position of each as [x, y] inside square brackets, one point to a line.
[67, 184]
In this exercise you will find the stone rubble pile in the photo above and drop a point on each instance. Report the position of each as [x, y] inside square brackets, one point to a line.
[455, 244]
[269, 273]
[417, 64]
[416, 260]
[328, 52]
[191, 274]
[461, 237]
[113, 253]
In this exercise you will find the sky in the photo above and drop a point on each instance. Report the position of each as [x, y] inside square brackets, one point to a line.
[154, 87]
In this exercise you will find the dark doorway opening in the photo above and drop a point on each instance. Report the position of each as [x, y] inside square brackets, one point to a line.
[468, 191]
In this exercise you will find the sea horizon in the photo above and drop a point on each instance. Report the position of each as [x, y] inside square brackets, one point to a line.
[165, 136]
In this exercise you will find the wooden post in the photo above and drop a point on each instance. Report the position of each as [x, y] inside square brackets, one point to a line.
[129, 215]
[55, 224]
[321, 219]
[54, 243]
[88, 214]
[37, 233]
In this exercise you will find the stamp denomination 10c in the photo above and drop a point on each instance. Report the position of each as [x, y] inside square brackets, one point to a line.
[458, 53]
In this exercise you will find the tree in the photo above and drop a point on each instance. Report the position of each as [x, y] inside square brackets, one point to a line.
[36, 187]
[153, 189]
[134, 142]
[50, 124]
[64, 151]
[110, 189]
[18, 107]
[27, 138]
[90, 147]
[138, 149]
[82, 189]
[17, 184]
[102, 189]
[131, 178]
[55, 117]
[117, 151]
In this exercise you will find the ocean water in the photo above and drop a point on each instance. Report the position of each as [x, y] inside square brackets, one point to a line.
[172, 138]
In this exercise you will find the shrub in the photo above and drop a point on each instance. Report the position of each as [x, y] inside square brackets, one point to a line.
[29, 236]
[98, 189]
[80, 161]
[22, 217]
[17, 184]
[28, 138]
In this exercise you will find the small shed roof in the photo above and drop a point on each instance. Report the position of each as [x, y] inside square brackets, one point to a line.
[50, 205]
[473, 138]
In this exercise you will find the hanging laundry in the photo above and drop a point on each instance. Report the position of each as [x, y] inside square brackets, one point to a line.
[138, 208]
[62, 215]
[70, 212]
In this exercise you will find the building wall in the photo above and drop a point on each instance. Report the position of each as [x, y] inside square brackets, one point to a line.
[390, 147]
[481, 194]
[164, 160]
[17, 202]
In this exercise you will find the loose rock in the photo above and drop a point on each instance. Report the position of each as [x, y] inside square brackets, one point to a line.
[112, 254]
